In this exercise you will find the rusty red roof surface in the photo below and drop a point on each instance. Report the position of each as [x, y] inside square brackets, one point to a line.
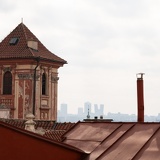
[53, 130]
[54, 134]
[63, 126]
[14, 133]
[111, 140]
[45, 124]
[20, 123]
[21, 50]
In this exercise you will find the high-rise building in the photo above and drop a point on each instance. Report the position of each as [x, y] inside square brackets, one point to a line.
[95, 108]
[64, 109]
[99, 111]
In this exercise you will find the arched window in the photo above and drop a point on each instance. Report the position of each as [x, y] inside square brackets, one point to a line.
[43, 84]
[7, 83]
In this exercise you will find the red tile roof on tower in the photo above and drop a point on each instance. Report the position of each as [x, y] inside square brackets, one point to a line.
[15, 45]
[53, 130]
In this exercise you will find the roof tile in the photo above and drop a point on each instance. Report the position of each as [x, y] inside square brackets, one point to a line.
[21, 49]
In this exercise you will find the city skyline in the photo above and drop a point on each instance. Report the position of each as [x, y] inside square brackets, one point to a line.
[87, 107]
[106, 43]
[89, 111]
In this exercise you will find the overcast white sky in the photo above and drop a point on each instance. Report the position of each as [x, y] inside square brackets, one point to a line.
[105, 42]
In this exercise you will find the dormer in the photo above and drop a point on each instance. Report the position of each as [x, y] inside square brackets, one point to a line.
[32, 44]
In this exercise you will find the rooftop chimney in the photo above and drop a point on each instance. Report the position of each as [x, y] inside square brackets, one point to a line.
[30, 124]
[140, 98]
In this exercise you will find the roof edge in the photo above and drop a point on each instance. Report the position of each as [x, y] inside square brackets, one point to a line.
[22, 131]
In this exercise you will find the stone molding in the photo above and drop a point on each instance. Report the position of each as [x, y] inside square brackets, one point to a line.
[25, 76]
[54, 79]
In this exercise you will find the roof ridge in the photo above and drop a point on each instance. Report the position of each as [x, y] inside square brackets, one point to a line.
[23, 27]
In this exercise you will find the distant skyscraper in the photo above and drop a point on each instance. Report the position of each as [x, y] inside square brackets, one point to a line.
[95, 108]
[99, 111]
[102, 109]
[64, 109]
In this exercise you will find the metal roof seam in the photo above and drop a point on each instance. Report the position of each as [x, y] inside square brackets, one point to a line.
[136, 154]
[82, 140]
[117, 139]
[107, 137]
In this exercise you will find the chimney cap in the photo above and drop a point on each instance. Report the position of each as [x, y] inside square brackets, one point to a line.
[140, 75]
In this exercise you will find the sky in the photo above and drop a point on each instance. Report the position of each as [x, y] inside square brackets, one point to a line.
[105, 42]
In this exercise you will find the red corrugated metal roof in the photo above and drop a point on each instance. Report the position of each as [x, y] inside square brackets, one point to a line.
[116, 140]
[21, 49]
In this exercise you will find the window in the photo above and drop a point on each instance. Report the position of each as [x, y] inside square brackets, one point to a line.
[7, 83]
[43, 84]
[13, 41]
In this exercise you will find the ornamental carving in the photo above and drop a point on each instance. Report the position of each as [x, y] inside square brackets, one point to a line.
[5, 69]
[54, 79]
[37, 76]
[25, 76]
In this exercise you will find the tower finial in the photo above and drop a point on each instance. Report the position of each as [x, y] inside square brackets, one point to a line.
[88, 116]
[21, 20]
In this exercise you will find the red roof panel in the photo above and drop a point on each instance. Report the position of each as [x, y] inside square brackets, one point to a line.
[87, 147]
[109, 141]
[91, 131]
[116, 140]
[130, 143]
[152, 148]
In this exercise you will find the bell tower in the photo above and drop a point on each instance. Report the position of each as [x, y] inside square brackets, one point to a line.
[28, 75]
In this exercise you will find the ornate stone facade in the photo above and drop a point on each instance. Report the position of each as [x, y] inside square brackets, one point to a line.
[21, 100]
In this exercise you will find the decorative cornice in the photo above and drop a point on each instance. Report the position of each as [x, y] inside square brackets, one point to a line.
[25, 76]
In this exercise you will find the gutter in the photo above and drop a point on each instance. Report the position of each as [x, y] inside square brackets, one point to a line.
[34, 89]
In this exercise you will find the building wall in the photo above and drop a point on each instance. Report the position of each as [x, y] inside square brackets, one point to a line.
[4, 113]
[28, 146]
[21, 100]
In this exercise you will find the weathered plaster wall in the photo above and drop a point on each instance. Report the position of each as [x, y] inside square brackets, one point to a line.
[23, 86]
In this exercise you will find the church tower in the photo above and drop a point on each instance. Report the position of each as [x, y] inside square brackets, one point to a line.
[28, 75]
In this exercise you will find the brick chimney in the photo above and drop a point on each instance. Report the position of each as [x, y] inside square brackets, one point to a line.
[140, 98]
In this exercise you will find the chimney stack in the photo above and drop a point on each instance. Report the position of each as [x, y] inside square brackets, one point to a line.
[140, 97]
